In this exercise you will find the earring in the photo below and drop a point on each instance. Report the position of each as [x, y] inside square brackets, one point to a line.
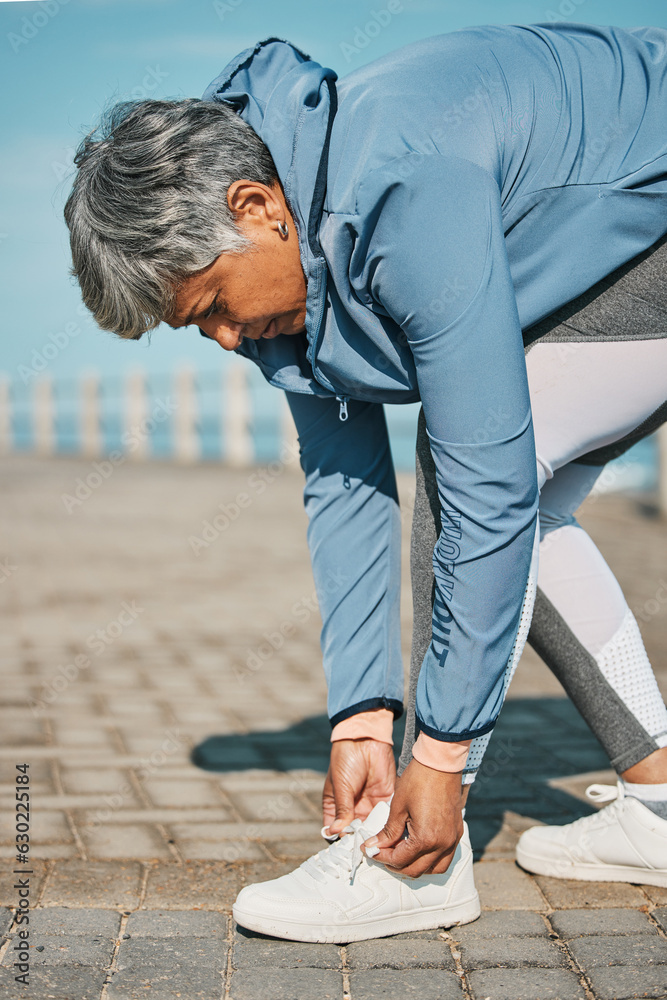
[282, 226]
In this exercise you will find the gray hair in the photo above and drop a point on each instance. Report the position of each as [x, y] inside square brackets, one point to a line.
[149, 204]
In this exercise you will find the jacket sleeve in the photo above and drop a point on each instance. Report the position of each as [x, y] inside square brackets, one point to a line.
[435, 262]
[354, 537]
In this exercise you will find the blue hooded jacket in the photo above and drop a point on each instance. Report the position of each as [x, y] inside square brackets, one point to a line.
[446, 196]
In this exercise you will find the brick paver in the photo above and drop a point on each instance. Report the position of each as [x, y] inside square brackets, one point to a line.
[70, 951]
[173, 981]
[526, 984]
[511, 953]
[504, 886]
[196, 884]
[58, 982]
[181, 756]
[501, 924]
[112, 884]
[629, 984]
[605, 950]
[180, 923]
[565, 893]
[578, 923]
[387, 984]
[657, 894]
[287, 984]
[400, 954]
[255, 950]
[60, 921]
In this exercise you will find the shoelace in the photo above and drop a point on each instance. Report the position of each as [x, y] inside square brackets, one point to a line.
[605, 793]
[614, 794]
[342, 857]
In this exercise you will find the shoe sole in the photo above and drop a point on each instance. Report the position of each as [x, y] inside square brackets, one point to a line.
[422, 920]
[590, 873]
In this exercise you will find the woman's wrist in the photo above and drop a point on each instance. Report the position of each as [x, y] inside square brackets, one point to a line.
[440, 755]
[375, 724]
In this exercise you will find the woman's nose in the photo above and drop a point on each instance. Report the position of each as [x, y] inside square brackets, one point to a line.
[227, 334]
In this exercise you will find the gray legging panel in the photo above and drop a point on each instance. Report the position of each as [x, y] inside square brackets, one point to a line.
[426, 527]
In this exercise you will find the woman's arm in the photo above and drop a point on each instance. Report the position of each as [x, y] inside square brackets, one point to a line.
[437, 265]
[439, 268]
[354, 539]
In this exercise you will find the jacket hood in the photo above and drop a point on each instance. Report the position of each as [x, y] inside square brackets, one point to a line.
[290, 102]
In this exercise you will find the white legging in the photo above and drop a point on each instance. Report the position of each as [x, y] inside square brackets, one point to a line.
[584, 396]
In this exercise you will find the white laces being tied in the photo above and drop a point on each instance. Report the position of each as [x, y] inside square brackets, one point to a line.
[599, 794]
[605, 793]
[342, 857]
[613, 794]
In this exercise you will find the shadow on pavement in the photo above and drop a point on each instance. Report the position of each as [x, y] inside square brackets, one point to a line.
[536, 741]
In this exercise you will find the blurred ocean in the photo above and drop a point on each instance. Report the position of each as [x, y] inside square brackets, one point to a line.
[635, 471]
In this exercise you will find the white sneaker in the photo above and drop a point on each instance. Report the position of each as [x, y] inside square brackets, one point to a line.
[625, 842]
[341, 895]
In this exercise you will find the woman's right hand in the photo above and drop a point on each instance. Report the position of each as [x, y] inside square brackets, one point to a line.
[361, 773]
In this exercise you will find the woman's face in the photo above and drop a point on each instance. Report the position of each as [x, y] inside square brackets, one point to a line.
[259, 292]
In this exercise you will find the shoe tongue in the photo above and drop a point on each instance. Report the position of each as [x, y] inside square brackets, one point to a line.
[376, 818]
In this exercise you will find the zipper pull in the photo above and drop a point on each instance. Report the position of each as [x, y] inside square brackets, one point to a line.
[343, 407]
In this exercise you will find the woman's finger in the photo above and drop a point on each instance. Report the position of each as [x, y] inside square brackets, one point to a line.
[344, 796]
[328, 801]
[416, 864]
[408, 858]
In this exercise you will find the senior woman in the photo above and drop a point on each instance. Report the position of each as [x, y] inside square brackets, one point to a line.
[407, 234]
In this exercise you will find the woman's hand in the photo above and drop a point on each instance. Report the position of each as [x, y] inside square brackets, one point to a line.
[425, 822]
[361, 774]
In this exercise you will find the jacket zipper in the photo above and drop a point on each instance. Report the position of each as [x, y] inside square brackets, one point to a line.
[342, 413]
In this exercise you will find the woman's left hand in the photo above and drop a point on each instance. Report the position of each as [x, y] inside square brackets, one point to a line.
[425, 822]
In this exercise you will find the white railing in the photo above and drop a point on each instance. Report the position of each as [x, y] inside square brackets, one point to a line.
[662, 469]
[138, 412]
[176, 414]
[236, 434]
[5, 417]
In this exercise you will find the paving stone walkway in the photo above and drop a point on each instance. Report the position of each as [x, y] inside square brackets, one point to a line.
[160, 676]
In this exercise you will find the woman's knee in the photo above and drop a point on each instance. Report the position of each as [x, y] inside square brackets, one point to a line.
[552, 520]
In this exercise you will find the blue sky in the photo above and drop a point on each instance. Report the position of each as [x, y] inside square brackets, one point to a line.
[63, 62]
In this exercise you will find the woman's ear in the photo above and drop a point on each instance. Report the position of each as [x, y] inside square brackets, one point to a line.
[251, 201]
